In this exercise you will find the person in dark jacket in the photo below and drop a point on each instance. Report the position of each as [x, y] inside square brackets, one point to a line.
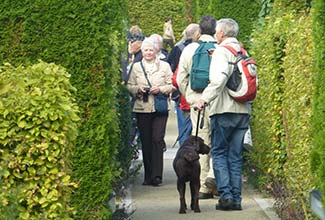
[181, 106]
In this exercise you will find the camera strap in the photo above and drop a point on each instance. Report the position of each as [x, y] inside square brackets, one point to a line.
[145, 73]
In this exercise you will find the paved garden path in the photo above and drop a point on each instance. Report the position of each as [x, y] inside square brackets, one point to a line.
[162, 203]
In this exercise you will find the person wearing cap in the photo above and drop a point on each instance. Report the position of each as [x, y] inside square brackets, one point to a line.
[229, 119]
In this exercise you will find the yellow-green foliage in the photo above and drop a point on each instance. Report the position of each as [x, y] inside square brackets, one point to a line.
[283, 48]
[298, 91]
[38, 124]
[268, 46]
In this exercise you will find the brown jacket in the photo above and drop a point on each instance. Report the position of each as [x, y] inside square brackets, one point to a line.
[160, 75]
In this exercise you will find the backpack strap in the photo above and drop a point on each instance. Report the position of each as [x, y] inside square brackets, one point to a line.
[235, 52]
[181, 46]
[238, 54]
[231, 49]
[201, 41]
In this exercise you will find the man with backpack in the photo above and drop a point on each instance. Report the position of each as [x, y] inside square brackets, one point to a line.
[229, 118]
[181, 106]
[197, 51]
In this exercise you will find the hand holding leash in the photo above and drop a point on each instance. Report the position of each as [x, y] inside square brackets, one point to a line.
[200, 105]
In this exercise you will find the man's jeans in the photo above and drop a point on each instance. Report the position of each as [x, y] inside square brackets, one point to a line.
[227, 134]
[184, 128]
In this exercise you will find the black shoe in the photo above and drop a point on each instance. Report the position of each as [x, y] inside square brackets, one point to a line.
[211, 185]
[224, 204]
[236, 207]
[156, 181]
[146, 183]
[205, 195]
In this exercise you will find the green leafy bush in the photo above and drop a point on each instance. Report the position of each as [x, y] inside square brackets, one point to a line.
[38, 124]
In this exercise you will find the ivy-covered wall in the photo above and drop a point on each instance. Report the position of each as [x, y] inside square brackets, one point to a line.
[86, 37]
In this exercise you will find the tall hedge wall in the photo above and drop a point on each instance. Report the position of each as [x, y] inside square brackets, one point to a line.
[150, 15]
[245, 12]
[85, 37]
[281, 126]
[318, 156]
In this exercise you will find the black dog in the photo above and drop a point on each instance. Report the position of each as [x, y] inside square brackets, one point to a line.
[187, 167]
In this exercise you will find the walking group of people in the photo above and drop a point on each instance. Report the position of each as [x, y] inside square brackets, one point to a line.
[152, 70]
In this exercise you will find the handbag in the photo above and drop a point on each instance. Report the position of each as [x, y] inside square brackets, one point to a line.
[160, 99]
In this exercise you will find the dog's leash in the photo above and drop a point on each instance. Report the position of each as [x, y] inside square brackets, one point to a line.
[182, 132]
[198, 124]
[202, 121]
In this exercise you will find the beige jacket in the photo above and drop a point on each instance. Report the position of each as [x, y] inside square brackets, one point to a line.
[159, 75]
[216, 93]
[184, 69]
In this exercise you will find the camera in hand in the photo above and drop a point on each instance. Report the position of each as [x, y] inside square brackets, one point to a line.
[145, 94]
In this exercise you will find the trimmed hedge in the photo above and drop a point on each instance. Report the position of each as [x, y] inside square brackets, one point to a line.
[151, 15]
[281, 128]
[38, 124]
[151, 20]
[245, 12]
[85, 37]
[318, 115]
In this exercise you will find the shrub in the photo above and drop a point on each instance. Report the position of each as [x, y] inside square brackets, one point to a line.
[38, 123]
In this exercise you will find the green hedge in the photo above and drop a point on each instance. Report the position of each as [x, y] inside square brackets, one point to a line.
[86, 37]
[318, 153]
[298, 92]
[151, 15]
[151, 20]
[281, 127]
[245, 12]
[38, 124]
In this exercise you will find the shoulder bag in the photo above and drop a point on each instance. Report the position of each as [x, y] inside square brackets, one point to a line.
[160, 99]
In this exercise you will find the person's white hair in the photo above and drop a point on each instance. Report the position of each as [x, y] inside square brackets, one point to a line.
[149, 42]
[158, 39]
[229, 26]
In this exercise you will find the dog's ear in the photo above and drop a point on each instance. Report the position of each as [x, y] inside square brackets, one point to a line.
[191, 156]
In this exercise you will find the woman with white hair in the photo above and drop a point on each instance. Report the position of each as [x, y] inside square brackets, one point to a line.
[149, 77]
